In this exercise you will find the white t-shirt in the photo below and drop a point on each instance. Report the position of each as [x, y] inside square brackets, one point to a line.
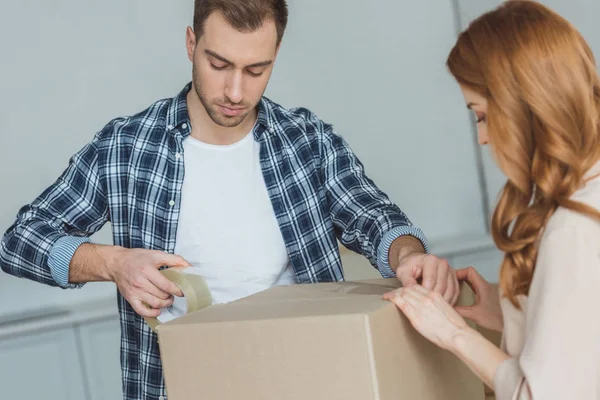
[227, 227]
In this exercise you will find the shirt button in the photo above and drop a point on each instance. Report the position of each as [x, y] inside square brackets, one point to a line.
[184, 126]
[162, 398]
[178, 155]
[172, 203]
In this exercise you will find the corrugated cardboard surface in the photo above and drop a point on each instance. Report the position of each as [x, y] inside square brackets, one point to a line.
[323, 341]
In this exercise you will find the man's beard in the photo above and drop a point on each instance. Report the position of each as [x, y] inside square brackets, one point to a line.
[212, 109]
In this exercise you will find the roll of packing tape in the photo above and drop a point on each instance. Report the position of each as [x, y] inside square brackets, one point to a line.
[196, 296]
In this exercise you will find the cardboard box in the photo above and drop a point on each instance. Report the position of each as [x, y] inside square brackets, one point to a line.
[327, 341]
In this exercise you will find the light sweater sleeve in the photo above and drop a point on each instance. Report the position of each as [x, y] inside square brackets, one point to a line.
[561, 354]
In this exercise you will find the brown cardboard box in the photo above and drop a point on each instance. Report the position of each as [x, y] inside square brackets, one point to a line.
[325, 341]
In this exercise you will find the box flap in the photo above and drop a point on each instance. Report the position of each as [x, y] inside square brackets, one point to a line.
[331, 289]
[294, 301]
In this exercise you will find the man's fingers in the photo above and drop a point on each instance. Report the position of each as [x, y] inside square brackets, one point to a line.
[171, 260]
[441, 280]
[162, 283]
[158, 293]
[408, 281]
[456, 290]
[154, 302]
[430, 272]
[143, 310]
[450, 291]
[408, 275]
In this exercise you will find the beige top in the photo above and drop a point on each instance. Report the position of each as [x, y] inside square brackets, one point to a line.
[555, 342]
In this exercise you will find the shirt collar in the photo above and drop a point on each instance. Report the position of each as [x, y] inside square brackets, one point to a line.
[177, 114]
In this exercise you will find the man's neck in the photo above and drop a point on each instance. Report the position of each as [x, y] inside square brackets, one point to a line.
[205, 130]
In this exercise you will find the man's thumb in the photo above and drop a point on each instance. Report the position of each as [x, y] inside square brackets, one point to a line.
[173, 260]
[407, 280]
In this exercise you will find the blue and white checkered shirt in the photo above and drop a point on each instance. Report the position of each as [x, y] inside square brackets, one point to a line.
[131, 175]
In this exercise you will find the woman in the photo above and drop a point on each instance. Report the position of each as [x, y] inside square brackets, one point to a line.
[531, 80]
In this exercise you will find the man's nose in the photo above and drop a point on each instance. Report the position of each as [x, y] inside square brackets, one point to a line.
[234, 87]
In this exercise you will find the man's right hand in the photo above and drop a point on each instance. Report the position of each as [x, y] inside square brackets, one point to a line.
[486, 311]
[135, 271]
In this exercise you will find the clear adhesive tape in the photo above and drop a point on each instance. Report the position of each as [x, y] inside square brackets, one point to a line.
[196, 296]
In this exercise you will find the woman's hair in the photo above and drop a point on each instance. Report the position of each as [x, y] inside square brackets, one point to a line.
[540, 80]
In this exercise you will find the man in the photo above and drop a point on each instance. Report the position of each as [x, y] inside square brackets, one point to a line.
[219, 178]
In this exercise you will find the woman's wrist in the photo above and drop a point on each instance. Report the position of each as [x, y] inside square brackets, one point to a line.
[462, 338]
[480, 355]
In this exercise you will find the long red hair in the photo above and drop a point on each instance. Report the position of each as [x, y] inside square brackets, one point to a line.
[540, 80]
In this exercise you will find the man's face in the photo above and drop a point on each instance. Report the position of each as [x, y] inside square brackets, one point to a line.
[231, 69]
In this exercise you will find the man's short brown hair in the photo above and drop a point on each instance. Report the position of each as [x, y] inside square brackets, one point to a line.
[243, 15]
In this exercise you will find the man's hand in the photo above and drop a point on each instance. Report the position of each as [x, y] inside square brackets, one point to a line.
[411, 264]
[486, 311]
[135, 271]
[435, 275]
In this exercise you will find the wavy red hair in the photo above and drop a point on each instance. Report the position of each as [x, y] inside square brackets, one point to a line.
[540, 80]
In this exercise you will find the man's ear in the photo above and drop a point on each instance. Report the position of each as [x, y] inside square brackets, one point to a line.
[190, 42]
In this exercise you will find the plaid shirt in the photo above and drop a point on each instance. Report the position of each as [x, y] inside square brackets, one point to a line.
[131, 174]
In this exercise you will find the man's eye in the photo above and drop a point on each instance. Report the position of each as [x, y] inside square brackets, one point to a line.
[255, 74]
[217, 67]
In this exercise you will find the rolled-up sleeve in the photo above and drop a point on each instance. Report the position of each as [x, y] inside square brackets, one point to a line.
[366, 220]
[561, 354]
[46, 233]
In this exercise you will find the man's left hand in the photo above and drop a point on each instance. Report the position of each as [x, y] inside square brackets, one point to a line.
[435, 274]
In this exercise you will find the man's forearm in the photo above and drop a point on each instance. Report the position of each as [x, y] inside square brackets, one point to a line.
[90, 263]
[402, 247]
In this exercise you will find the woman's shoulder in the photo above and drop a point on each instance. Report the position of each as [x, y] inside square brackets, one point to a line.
[565, 220]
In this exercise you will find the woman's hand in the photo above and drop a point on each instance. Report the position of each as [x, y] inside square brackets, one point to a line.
[429, 314]
[486, 311]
